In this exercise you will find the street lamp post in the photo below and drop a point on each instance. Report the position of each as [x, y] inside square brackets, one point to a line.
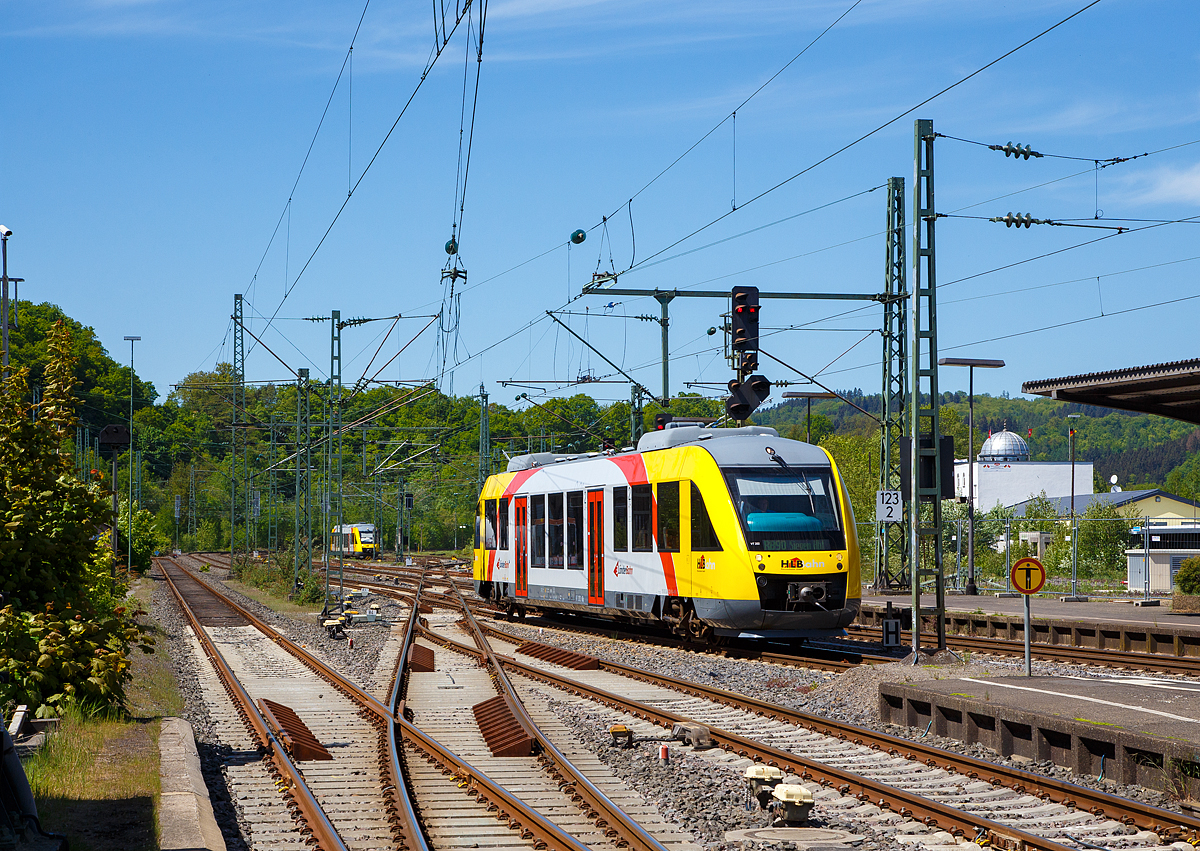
[972, 589]
[454, 508]
[5, 233]
[1074, 530]
[129, 524]
[808, 395]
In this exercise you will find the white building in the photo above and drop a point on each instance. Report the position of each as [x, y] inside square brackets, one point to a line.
[1004, 475]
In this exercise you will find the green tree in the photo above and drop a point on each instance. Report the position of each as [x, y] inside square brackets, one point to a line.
[50, 518]
[1187, 580]
[1103, 539]
[64, 635]
[855, 458]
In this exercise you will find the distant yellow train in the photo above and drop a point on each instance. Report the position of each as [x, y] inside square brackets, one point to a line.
[717, 533]
[356, 540]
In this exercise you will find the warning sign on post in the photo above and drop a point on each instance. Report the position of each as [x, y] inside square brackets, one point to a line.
[1028, 575]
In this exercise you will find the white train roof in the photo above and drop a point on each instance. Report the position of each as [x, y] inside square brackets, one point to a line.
[730, 447]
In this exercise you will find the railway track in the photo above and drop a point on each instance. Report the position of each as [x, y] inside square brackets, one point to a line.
[877, 776]
[342, 800]
[438, 798]
[1157, 662]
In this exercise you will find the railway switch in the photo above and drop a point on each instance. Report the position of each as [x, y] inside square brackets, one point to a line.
[762, 780]
[792, 803]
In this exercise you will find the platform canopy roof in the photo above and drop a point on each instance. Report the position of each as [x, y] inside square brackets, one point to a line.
[1167, 389]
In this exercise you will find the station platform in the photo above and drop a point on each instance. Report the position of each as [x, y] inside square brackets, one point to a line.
[1127, 729]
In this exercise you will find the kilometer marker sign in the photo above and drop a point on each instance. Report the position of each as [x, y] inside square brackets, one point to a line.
[1028, 576]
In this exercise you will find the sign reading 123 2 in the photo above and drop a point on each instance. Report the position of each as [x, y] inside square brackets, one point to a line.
[1028, 576]
[888, 507]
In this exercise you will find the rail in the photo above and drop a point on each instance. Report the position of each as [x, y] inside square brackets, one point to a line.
[314, 816]
[520, 815]
[1069, 794]
[906, 803]
[619, 824]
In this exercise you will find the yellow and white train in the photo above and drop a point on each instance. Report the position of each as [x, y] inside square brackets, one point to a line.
[354, 540]
[717, 533]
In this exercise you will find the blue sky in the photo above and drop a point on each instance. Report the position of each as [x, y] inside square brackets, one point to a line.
[151, 146]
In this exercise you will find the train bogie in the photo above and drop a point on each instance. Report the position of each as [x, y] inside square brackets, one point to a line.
[713, 532]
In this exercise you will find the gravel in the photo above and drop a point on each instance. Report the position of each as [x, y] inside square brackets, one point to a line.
[359, 664]
[852, 696]
[702, 797]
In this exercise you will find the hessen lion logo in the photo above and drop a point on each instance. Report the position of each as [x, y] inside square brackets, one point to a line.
[622, 570]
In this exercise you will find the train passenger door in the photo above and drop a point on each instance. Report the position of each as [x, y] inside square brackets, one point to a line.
[522, 548]
[595, 548]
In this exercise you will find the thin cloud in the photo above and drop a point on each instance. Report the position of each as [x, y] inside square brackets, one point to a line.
[1168, 185]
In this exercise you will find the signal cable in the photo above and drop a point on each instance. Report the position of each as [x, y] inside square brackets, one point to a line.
[733, 114]
[813, 380]
[308, 153]
[870, 133]
[436, 54]
[1101, 162]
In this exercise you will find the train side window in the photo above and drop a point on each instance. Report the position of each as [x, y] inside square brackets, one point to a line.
[643, 507]
[489, 524]
[575, 530]
[704, 537]
[502, 522]
[554, 529]
[668, 517]
[620, 519]
[537, 530]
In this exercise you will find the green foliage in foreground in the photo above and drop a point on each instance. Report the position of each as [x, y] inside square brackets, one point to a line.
[63, 634]
[53, 660]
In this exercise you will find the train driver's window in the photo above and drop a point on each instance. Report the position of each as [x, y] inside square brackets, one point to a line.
[502, 522]
[668, 517]
[575, 530]
[537, 530]
[489, 524]
[554, 529]
[704, 537]
[643, 507]
[620, 519]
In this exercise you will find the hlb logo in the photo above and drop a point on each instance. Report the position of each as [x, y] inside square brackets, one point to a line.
[622, 570]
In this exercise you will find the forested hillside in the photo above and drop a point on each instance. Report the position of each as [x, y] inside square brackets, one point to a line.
[1141, 450]
[419, 441]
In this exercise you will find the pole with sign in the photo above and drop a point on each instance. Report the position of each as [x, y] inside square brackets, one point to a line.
[1028, 576]
[889, 508]
[177, 501]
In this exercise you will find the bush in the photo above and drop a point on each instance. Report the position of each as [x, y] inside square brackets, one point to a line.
[65, 629]
[55, 661]
[1187, 580]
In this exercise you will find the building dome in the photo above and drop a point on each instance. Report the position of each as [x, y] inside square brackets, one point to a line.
[1004, 446]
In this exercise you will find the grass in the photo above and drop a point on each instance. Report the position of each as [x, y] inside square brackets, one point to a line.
[273, 600]
[96, 780]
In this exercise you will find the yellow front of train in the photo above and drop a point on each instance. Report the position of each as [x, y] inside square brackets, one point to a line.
[784, 559]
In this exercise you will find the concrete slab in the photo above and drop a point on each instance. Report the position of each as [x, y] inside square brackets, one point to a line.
[1143, 730]
[185, 814]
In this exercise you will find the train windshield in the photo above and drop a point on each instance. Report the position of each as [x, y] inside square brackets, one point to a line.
[787, 508]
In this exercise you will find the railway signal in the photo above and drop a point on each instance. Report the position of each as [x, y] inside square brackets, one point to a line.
[745, 319]
[661, 421]
[746, 395]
